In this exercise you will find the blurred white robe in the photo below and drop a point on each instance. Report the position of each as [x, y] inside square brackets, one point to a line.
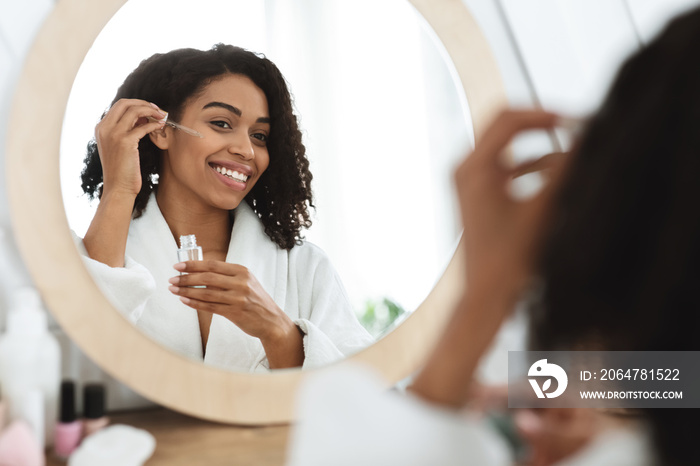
[346, 417]
[301, 281]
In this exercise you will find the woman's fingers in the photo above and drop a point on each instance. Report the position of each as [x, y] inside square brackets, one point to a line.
[148, 127]
[208, 279]
[207, 306]
[118, 136]
[506, 125]
[129, 114]
[483, 174]
[137, 115]
[119, 108]
[231, 291]
[219, 267]
[502, 234]
[126, 126]
[544, 163]
[204, 295]
[213, 276]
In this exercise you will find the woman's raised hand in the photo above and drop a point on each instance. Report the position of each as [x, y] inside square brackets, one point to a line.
[118, 136]
[234, 293]
[502, 234]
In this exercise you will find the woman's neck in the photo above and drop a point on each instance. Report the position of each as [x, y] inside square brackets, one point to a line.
[211, 226]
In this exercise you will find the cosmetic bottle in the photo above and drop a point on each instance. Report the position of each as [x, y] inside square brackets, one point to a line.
[29, 407]
[69, 429]
[189, 251]
[30, 360]
[94, 417]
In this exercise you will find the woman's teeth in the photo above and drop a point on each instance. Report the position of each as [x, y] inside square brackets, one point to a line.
[232, 174]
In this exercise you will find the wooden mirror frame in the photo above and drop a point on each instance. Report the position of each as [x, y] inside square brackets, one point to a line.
[43, 236]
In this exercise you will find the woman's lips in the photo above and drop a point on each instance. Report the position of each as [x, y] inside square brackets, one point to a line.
[233, 166]
[233, 174]
[237, 181]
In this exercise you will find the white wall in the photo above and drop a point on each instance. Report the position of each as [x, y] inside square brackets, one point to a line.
[561, 54]
[649, 16]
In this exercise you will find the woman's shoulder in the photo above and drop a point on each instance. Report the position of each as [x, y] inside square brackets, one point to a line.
[309, 248]
[308, 255]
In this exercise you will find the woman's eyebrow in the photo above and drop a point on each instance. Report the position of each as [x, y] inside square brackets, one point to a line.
[230, 108]
[235, 110]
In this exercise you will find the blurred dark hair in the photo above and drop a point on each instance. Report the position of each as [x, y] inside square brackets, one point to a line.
[282, 196]
[621, 267]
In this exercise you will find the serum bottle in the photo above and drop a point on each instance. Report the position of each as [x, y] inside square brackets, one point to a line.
[189, 251]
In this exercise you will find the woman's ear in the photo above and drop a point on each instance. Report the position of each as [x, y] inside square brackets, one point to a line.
[160, 138]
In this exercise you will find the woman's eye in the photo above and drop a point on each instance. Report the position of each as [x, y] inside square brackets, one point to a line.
[262, 137]
[221, 124]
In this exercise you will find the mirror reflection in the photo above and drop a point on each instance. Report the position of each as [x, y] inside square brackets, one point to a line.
[381, 119]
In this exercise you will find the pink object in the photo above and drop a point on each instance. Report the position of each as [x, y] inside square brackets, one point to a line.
[19, 447]
[67, 439]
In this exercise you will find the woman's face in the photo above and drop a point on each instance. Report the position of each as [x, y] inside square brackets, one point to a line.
[221, 168]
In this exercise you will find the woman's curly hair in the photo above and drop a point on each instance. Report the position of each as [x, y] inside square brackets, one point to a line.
[282, 195]
[620, 264]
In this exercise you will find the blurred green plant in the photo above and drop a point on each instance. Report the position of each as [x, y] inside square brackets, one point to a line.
[379, 316]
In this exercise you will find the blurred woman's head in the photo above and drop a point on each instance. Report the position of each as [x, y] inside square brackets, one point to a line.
[620, 267]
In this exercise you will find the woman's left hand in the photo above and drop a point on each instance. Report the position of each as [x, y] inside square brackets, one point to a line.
[234, 293]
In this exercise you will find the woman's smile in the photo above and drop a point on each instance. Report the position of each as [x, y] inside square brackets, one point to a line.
[232, 174]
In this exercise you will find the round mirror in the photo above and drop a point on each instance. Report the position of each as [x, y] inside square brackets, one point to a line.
[42, 228]
[384, 213]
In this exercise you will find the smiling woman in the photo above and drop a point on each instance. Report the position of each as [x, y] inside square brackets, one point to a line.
[375, 109]
[41, 214]
[262, 298]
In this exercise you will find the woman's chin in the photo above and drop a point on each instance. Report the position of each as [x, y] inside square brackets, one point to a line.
[228, 204]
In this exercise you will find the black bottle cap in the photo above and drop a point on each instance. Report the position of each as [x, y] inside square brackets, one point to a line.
[67, 413]
[93, 401]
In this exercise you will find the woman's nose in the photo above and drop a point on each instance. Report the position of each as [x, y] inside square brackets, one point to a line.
[242, 146]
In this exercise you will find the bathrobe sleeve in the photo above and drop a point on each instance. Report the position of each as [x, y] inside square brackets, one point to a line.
[128, 288]
[331, 329]
[374, 427]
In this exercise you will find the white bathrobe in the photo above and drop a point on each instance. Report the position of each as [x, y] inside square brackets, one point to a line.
[376, 427]
[301, 281]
